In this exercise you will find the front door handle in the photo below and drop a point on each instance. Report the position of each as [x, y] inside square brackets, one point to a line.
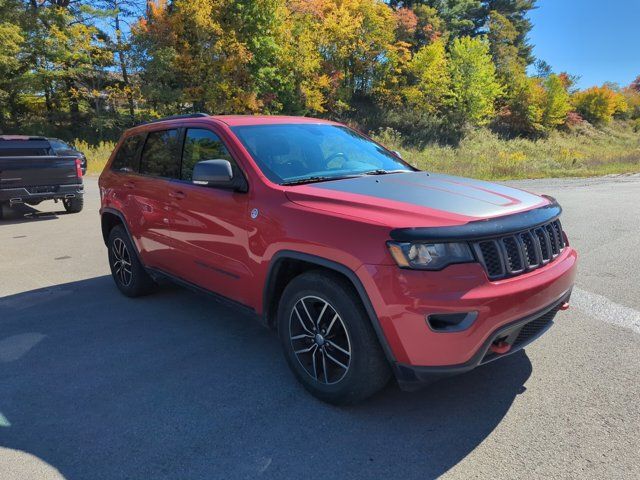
[177, 195]
[129, 185]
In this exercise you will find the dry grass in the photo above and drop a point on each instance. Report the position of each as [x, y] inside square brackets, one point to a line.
[582, 153]
[97, 155]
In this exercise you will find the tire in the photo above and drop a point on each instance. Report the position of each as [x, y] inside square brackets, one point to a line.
[74, 204]
[2, 206]
[342, 337]
[130, 276]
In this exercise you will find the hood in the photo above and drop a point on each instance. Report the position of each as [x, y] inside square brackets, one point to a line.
[416, 198]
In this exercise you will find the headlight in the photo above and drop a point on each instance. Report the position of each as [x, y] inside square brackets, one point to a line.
[429, 256]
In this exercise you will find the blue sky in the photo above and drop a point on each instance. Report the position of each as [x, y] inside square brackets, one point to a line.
[596, 39]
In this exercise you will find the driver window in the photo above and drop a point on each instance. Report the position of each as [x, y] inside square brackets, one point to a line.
[201, 144]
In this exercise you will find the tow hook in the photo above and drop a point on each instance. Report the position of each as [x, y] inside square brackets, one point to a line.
[564, 306]
[500, 347]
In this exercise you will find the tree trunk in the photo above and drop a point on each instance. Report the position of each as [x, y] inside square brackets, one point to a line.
[123, 67]
[74, 107]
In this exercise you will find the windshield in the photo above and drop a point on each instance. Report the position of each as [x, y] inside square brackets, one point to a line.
[302, 153]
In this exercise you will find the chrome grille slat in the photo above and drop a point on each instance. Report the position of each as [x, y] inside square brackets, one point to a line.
[514, 254]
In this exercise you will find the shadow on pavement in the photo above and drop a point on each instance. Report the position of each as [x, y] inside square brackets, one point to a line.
[175, 385]
[21, 213]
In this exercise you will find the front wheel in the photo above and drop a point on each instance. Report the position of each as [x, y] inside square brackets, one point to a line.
[74, 204]
[328, 339]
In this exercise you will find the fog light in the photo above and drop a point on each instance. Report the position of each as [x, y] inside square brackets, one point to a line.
[451, 322]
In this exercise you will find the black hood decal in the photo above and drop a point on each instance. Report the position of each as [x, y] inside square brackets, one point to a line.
[462, 196]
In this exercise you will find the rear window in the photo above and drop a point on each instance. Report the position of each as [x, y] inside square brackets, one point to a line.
[25, 148]
[161, 154]
[126, 159]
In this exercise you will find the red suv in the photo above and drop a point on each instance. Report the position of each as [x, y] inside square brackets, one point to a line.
[364, 265]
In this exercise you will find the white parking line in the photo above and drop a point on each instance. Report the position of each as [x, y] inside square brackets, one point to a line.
[604, 309]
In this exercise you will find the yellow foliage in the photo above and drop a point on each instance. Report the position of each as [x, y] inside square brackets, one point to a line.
[599, 104]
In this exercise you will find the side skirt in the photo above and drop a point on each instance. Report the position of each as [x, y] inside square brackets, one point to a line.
[158, 274]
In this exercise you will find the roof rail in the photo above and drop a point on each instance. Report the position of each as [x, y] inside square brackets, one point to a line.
[177, 117]
[21, 137]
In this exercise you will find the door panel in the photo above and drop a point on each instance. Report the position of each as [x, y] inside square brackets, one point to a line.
[159, 162]
[209, 225]
[149, 212]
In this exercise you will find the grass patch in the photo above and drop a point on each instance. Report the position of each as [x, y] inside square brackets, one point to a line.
[481, 154]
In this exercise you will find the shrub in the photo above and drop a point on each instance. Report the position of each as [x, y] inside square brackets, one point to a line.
[97, 155]
[573, 119]
[599, 104]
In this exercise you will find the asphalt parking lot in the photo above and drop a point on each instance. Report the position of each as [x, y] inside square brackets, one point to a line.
[94, 385]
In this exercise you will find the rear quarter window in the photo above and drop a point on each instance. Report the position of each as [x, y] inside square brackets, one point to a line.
[126, 159]
[161, 154]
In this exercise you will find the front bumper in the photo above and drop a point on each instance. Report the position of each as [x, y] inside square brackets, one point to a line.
[40, 193]
[512, 337]
[402, 299]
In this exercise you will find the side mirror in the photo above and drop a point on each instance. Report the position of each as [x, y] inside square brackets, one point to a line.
[217, 173]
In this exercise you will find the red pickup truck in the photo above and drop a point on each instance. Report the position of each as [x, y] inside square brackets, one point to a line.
[365, 266]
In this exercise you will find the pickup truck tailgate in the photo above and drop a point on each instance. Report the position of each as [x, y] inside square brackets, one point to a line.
[43, 170]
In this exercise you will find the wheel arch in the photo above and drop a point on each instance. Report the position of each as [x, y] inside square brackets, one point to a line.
[287, 264]
[109, 218]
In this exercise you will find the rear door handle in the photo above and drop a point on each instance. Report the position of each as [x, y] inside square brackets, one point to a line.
[177, 195]
[129, 185]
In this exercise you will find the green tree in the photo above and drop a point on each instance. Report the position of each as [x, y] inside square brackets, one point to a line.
[461, 17]
[473, 81]
[191, 52]
[12, 40]
[516, 12]
[557, 102]
[118, 14]
[357, 34]
[503, 37]
[430, 87]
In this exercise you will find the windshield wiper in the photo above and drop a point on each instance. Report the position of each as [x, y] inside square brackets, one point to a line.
[316, 179]
[382, 171]
[326, 178]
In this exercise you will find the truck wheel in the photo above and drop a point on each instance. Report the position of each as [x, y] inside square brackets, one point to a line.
[74, 204]
[130, 276]
[328, 339]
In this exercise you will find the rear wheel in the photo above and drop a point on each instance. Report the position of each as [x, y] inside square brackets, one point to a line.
[74, 204]
[130, 276]
[328, 340]
[2, 206]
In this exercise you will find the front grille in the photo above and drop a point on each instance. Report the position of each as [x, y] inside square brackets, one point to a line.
[520, 252]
